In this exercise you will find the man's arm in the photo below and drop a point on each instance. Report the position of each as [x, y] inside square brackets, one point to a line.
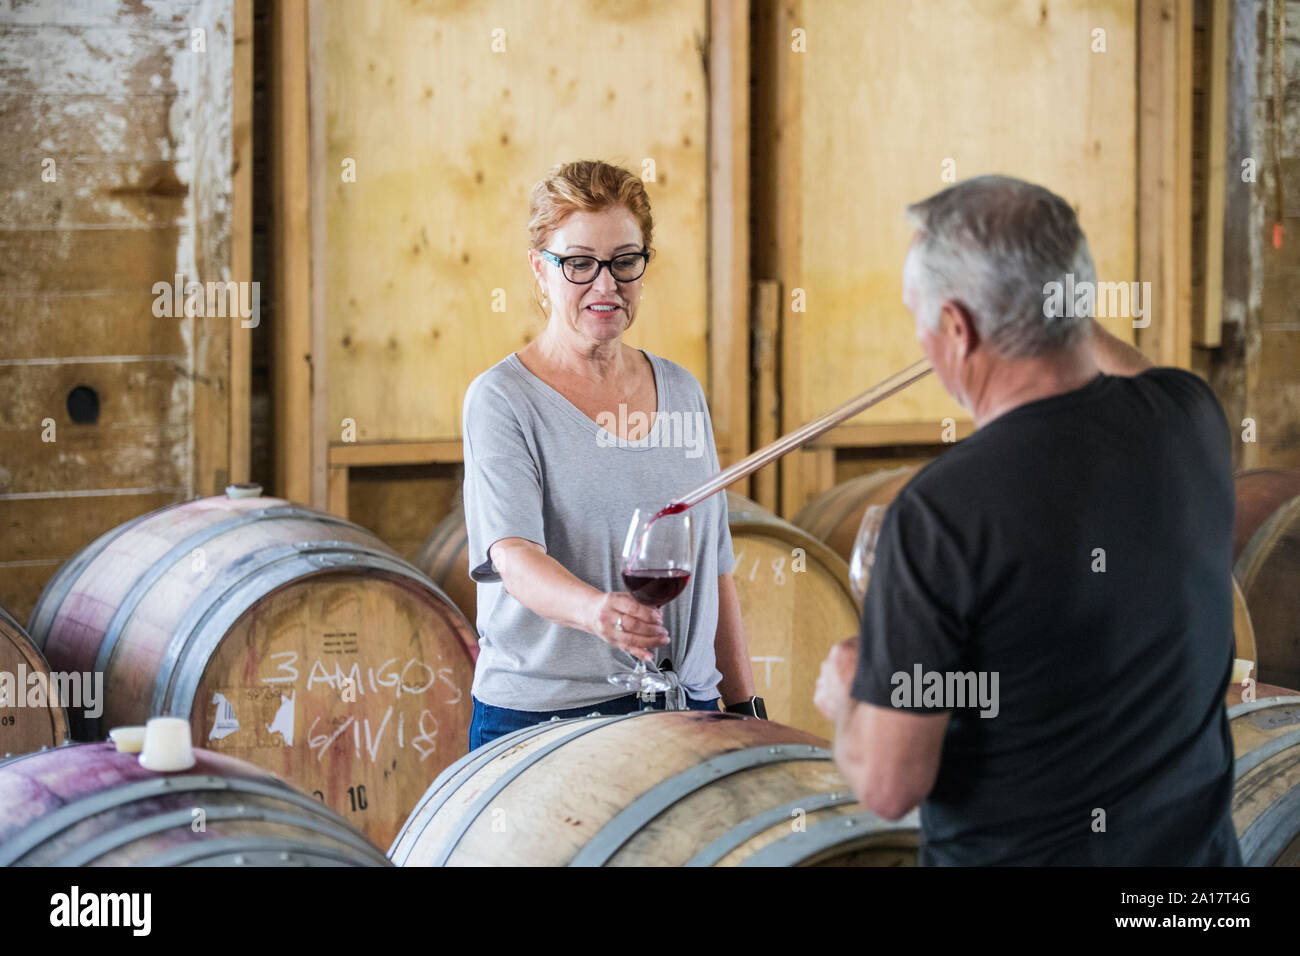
[1114, 356]
[890, 758]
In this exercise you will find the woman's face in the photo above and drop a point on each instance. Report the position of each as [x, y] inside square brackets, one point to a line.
[604, 235]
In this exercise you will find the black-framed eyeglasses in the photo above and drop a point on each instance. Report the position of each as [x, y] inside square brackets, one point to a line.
[624, 267]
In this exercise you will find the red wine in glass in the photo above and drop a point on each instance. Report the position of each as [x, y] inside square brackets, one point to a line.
[656, 587]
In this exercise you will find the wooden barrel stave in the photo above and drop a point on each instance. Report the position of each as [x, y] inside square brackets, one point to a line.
[681, 834]
[792, 618]
[1269, 572]
[648, 788]
[87, 805]
[24, 729]
[228, 607]
[1260, 492]
[444, 557]
[834, 516]
[1266, 796]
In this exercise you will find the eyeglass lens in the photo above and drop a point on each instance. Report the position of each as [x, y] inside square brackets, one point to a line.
[624, 268]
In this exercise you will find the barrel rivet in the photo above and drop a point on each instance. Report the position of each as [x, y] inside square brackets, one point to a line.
[850, 822]
[239, 860]
[241, 810]
[284, 857]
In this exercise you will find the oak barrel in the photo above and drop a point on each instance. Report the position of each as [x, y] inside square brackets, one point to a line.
[651, 788]
[1269, 572]
[23, 727]
[1266, 796]
[444, 557]
[796, 604]
[1260, 492]
[89, 805]
[288, 637]
[834, 515]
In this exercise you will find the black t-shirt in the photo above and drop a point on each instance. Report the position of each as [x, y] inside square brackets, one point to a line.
[1079, 548]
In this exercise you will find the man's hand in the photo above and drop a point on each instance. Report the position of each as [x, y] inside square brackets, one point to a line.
[832, 694]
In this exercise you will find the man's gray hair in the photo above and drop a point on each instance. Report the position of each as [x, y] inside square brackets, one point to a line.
[993, 243]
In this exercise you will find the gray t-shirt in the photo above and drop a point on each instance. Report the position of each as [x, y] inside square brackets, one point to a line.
[536, 467]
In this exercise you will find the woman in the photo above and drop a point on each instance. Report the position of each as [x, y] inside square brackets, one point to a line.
[549, 492]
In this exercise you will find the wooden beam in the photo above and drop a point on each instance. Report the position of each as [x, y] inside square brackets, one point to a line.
[1165, 177]
[337, 502]
[241, 235]
[1209, 329]
[728, 157]
[291, 388]
[317, 171]
[395, 453]
[767, 410]
[818, 467]
[778, 212]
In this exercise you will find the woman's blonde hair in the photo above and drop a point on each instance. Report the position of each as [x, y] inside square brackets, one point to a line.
[588, 185]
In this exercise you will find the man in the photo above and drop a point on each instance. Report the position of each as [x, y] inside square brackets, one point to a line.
[1065, 570]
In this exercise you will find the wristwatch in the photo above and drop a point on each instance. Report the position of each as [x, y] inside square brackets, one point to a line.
[753, 707]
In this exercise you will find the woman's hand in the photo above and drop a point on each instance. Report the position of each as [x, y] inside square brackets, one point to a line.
[641, 628]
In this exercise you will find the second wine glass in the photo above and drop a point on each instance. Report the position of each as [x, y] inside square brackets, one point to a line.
[864, 550]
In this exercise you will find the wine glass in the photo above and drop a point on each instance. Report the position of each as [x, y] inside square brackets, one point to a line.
[864, 550]
[658, 558]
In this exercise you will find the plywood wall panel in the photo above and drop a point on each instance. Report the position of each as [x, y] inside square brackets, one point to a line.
[448, 137]
[889, 93]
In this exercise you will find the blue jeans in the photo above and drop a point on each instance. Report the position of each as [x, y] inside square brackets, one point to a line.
[489, 722]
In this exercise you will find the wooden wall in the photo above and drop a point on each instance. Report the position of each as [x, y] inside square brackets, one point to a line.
[1273, 323]
[425, 127]
[141, 134]
[447, 137]
[1256, 372]
[883, 101]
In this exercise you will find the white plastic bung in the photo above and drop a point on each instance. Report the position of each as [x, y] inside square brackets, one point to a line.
[167, 745]
[128, 740]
